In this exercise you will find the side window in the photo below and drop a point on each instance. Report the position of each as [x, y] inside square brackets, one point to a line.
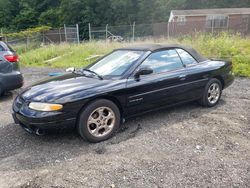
[163, 61]
[187, 59]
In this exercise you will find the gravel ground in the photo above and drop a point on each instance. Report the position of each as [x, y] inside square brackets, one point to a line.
[185, 146]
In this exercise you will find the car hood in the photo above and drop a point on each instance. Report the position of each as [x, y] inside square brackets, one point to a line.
[60, 87]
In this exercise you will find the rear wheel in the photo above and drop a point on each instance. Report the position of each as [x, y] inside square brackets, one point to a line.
[212, 93]
[99, 121]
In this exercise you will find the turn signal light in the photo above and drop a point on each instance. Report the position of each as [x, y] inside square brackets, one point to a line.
[45, 107]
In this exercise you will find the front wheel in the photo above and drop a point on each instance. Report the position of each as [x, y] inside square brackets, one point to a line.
[212, 93]
[99, 121]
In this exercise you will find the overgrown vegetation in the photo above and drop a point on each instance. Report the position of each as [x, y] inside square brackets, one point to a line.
[222, 46]
[65, 55]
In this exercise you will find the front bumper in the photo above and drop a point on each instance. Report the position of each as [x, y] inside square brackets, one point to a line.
[32, 120]
[31, 125]
[13, 80]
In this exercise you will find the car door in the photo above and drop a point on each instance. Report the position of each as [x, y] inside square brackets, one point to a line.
[162, 87]
[195, 77]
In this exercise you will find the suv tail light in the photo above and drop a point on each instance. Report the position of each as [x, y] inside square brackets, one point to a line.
[11, 58]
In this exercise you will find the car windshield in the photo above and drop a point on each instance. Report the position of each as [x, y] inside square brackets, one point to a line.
[116, 63]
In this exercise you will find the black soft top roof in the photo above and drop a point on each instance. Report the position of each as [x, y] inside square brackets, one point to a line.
[158, 47]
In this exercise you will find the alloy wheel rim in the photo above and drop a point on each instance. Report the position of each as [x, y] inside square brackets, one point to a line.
[101, 122]
[213, 93]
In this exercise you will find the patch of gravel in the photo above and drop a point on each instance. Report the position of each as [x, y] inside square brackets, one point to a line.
[184, 146]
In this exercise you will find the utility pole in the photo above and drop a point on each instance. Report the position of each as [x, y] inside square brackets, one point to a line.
[65, 32]
[77, 30]
[213, 23]
[90, 37]
[107, 33]
[133, 39]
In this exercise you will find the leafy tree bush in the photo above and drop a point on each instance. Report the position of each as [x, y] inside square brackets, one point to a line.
[16, 15]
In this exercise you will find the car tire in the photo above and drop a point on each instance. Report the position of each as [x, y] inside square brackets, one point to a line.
[99, 120]
[1, 90]
[212, 93]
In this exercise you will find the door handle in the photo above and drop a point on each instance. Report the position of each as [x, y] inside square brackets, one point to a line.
[182, 77]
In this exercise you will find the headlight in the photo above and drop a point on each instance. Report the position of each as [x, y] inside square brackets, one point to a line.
[45, 107]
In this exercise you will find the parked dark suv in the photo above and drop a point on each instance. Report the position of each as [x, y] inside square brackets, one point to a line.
[10, 75]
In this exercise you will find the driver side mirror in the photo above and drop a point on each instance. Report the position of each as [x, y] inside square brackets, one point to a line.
[143, 71]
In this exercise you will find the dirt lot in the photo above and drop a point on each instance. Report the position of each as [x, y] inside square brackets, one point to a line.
[185, 146]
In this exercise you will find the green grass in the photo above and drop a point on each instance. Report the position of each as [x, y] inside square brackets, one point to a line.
[65, 55]
[222, 46]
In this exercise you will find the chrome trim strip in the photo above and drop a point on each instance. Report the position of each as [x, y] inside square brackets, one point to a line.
[170, 87]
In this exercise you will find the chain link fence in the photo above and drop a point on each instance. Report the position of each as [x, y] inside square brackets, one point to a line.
[135, 32]
[66, 34]
[128, 33]
[25, 43]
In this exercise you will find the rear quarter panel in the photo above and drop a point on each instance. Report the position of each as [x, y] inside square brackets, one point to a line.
[219, 69]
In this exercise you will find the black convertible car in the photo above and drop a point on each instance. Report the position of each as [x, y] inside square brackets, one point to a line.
[127, 82]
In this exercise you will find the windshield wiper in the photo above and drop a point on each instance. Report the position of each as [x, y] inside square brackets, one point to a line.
[93, 72]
